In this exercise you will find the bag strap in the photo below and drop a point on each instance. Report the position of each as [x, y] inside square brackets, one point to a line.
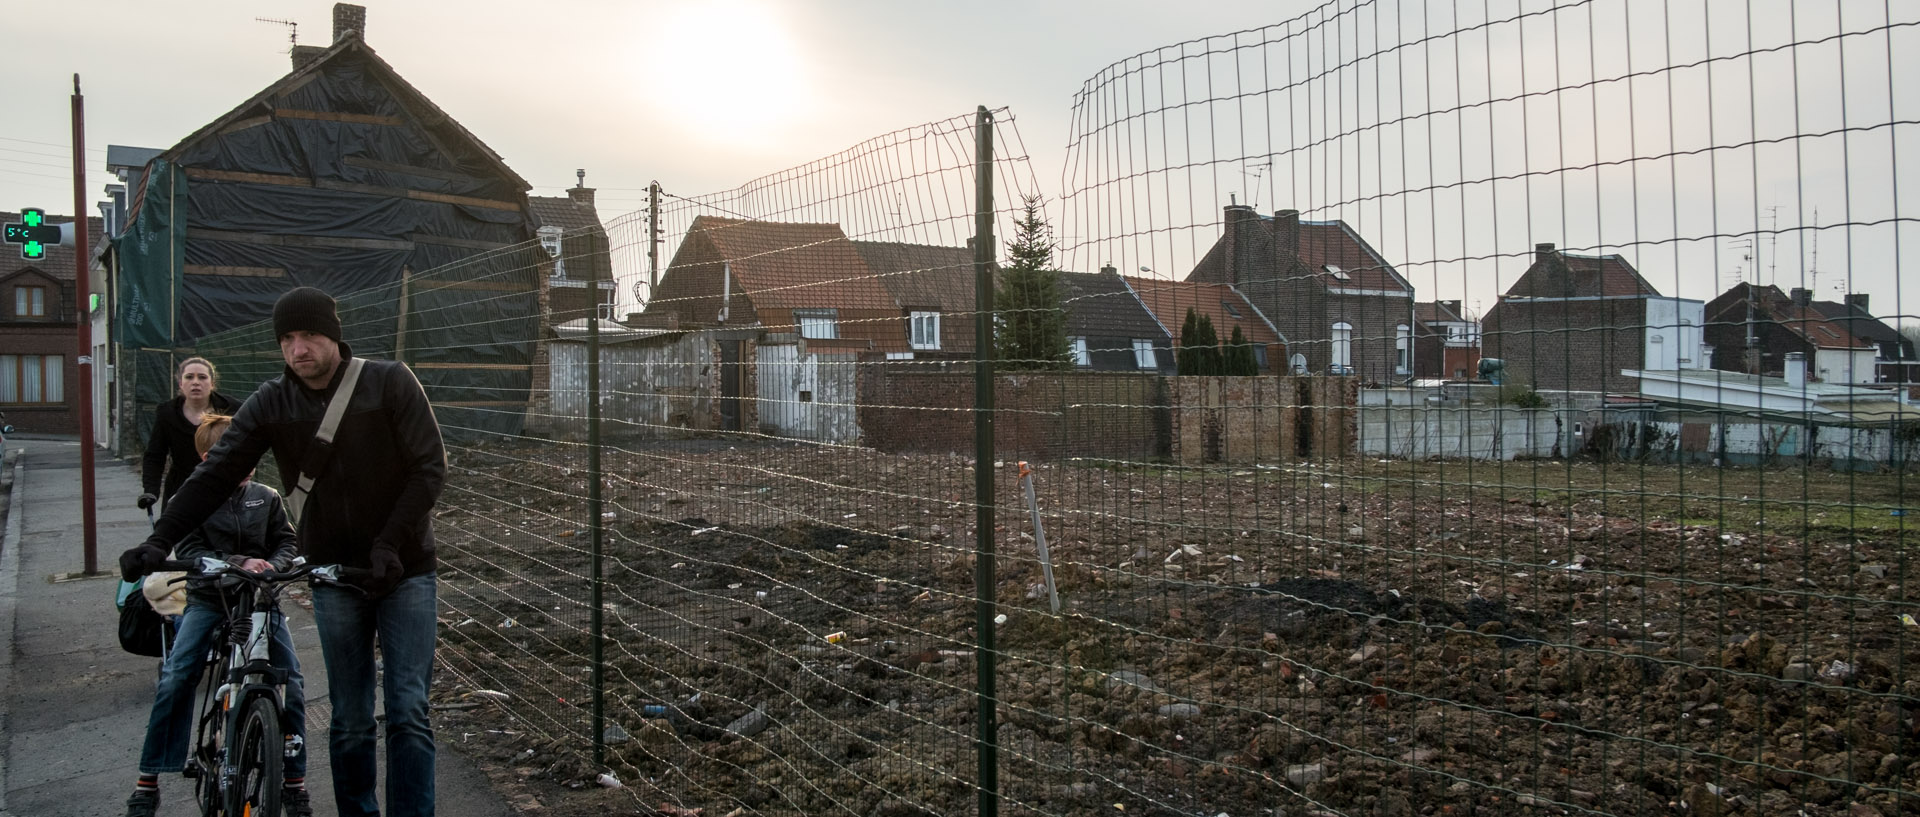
[321, 449]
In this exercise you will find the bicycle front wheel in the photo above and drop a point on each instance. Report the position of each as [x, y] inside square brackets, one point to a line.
[257, 763]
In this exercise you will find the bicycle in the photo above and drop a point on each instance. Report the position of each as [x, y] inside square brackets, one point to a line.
[236, 763]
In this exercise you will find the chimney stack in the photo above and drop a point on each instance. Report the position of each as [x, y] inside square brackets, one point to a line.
[1858, 300]
[349, 17]
[1108, 269]
[1801, 296]
[304, 54]
[581, 194]
[1286, 230]
[1795, 370]
[1542, 252]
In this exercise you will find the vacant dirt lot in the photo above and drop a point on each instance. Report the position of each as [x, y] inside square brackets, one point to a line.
[792, 630]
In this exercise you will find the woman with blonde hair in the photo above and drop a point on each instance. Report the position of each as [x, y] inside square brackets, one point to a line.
[170, 445]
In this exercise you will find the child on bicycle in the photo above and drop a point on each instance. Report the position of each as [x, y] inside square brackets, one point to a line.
[250, 531]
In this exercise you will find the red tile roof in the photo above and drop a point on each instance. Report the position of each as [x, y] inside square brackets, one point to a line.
[1326, 244]
[1557, 274]
[1170, 300]
[1816, 328]
[786, 265]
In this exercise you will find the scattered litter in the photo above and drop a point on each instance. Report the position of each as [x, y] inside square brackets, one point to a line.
[609, 515]
[750, 724]
[490, 693]
[1000, 619]
[835, 638]
[734, 586]
[1233, 558]
[613, 735]
[759, 594]
[678, 565]
[504, 624]
[1908, 619]
[850, 516]
[609, 781]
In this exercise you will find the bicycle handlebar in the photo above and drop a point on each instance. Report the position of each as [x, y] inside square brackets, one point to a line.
[209, 567]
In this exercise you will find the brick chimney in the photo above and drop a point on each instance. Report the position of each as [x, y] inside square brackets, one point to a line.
[581, 194]
[1286, 232]
[1801, 296]
[1858, 300]
[1543, 252]
[304, 54]
[1108, 269]
[349, 17]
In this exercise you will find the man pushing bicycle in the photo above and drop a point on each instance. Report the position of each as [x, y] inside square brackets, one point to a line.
[364, 464]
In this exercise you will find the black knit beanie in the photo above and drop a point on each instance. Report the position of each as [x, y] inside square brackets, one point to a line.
[306, 308]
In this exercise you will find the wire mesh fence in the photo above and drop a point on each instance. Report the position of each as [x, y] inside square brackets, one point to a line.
[1515, 458]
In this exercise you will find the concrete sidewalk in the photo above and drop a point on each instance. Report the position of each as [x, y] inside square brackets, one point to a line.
[73, 706]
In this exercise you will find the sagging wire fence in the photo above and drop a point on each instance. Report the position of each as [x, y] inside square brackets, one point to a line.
[1514, 459]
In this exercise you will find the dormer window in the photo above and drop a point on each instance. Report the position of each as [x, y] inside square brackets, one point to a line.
[1228, 305]
[1338, 273]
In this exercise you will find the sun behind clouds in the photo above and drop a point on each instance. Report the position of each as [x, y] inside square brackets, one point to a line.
[726, 71]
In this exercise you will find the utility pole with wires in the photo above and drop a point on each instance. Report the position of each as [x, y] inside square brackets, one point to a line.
[293, 30]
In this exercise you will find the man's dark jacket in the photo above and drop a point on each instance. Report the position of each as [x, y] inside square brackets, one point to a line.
[380, 484]
[251, 524]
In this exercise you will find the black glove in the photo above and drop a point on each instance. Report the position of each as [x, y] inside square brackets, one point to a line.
[384, 570]
[146, 501]
[140, 560]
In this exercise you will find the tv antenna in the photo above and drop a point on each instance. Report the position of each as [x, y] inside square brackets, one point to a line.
[293, 29]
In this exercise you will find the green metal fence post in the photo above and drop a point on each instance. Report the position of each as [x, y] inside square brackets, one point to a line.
[599, 525]
[985, 740]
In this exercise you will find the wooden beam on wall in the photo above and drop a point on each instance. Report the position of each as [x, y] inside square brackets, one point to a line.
[299, 240]
[235, 272]
[331, 116]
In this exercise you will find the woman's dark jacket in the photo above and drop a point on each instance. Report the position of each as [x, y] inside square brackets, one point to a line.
[252, 524]
[380, 484]
[172, 438]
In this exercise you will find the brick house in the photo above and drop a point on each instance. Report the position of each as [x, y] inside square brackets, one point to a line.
[1573, 322]
[1753, 328]
[1446, 343]
[583, 244]
[1342, 308]
[1220, 303]
[37, 336]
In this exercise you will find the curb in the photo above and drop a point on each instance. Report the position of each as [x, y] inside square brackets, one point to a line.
[9, 585]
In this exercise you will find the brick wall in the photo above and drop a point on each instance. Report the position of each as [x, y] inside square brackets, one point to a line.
[1561, 345]
[1051, 416]
[929, 408]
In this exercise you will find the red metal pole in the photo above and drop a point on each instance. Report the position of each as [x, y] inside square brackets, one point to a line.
[83, 327]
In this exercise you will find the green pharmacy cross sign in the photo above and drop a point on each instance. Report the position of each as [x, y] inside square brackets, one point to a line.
[33, 233]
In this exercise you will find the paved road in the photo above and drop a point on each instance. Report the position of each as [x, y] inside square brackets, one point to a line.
[73, 706]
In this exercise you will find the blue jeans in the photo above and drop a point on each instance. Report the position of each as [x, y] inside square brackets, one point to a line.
[170, 726]
[406, 623]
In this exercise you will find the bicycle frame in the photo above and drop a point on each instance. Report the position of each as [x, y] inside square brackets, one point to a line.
[235, 777]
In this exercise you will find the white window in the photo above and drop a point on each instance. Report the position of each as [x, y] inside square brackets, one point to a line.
[1402, 349]
[1080, 356]
[1143, 354]
[1342, 358]
[1338, 273]
[30, 302]
[926, 329]
[33, 378]
[821, 324]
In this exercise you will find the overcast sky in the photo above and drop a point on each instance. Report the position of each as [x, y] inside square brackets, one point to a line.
[707, 96]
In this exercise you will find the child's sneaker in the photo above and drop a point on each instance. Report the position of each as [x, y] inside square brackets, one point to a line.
[294, 803]
[144, 803]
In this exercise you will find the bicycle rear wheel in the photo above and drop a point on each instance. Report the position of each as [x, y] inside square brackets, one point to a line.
[257, 761]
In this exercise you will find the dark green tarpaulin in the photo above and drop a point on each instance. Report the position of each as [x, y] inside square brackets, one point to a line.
[152, 253]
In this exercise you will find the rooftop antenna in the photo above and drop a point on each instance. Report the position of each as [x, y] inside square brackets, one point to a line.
[293, 30]
[1253, 189]
[1813, 266]
[1773, 245]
